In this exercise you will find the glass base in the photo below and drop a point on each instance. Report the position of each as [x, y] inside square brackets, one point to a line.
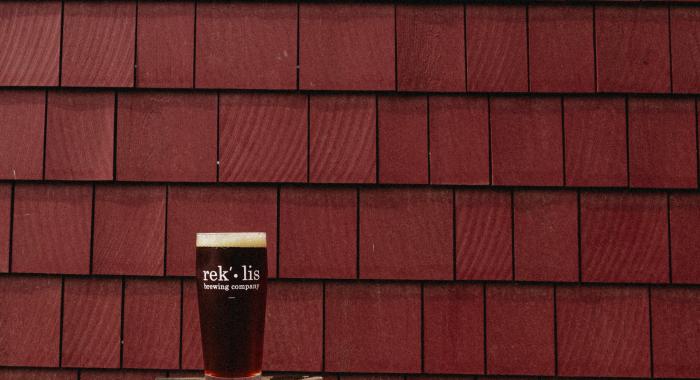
[210, 377]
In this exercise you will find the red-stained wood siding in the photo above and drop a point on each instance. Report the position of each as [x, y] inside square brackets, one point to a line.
[560, 43]
[98, 43]
[30, 43]
[227, 56]
[405, 234]
[128, 219]
[342, 139]
[379, 331]
[450, 190]
[346, 46]
[526, 141]
[5, 219]
[459, 140]
[402, 127]
[318, 229]
[22, 126]
[595, 140]
[497, 48]
[166, 137]
[546, 235]
[632, 48]
[151, 323]
[483, 235]
[263, 138]
[165, 44]
[30, 316]
[51, 228]
[294, 333]
[624, 237]
[79, 135]
[91, 322]
[603, 331]
[430, 47]
[520, 329]
[453, 328]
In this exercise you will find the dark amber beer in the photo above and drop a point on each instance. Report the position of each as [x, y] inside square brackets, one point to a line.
[231, 291]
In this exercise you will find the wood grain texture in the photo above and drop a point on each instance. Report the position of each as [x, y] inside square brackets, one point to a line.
[30, 40]
[5, 218]
[30, 316]
[430, 47]
[624, 237]
[603, 331]
[561, 48]
[406, 234]
[228, 58]
[80, 135]
[497, 48]
[166, 137]
[91, 322]
[129, 230]
[632, 49]
[151, 323]
[122, 374]
[263, 137]
[372, 327]
[9, 373]
[546, 235]
[192, 356]
[483, 232]
[98, 43]
[51, 228]
[22, 128]
[675, 315]
[294, 327]
[595, 133]
[526, 141]
[520, 329]
[662, 143]
[403, 139]
[453, 328]
[343, 144]
[318, 232]
[685, 49]
[165, 44]
[217, 208]
[459, 140]
[685, 240]
[346, 46]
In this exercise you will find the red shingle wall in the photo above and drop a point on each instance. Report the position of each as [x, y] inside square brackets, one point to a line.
[450, 189]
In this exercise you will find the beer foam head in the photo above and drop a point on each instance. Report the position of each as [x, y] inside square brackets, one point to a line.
[232, 239]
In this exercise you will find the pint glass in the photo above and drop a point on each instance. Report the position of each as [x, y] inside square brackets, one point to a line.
[231, 292]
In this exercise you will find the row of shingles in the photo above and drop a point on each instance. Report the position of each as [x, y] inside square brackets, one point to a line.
[107, 374]
[89, 374]
[166, 136]
[313, 326]
[90, 322]
[110, 322]
[525, 235]
[509, 48]
[110, 229]
[470, 329]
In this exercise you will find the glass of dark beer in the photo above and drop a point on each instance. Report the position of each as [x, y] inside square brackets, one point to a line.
[231, 292]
